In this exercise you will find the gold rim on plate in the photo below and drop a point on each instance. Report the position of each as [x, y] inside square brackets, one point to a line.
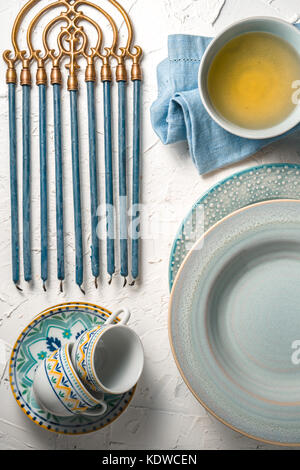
[201, 239]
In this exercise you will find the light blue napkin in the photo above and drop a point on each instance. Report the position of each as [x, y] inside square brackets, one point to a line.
[178, 113]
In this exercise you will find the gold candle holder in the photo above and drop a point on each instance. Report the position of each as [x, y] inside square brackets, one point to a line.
[72, 43]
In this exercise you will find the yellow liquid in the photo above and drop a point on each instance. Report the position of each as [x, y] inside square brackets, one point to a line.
[250, 80]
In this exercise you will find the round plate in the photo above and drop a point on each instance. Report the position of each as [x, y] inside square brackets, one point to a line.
[47, 332]
[261, 183]
[235, 321]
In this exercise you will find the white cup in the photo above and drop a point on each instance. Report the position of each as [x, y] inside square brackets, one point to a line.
[109, 358]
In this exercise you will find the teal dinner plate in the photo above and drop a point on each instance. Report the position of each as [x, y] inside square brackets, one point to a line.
[256, 184]
[47, 332]
[234, 321]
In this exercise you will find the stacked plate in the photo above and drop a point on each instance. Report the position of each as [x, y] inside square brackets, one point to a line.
[235, 304]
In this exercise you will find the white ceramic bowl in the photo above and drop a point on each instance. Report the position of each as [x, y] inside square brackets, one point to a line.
[275, 26]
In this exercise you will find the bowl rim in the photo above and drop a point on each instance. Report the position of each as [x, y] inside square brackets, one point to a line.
[259, 134]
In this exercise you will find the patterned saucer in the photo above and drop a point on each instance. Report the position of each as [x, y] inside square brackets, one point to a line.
[47, 332]
[257, 184]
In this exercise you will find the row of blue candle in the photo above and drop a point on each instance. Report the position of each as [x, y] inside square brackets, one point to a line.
[95, 257]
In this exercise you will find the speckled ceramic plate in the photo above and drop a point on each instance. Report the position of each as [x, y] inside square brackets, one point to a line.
[235, 321]
[261, 183]
[46, 333]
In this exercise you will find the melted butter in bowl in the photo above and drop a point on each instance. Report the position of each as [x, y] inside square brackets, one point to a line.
[249, 78]
[250, 81]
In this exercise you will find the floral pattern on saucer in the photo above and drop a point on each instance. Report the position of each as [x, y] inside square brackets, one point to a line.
[47, 332]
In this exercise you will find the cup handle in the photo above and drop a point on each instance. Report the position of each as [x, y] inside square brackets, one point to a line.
[104, 406]
[93, 412]
[114, 316]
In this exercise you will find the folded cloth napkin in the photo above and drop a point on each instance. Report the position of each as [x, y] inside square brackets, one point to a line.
[178, 113]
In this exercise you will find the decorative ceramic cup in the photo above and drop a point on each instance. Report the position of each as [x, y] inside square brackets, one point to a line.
[59, 390]
[275, 26]
[109, 358]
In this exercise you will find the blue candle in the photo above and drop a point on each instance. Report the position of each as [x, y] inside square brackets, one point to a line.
[123, 180]
[14, 184]
[76, 188]
[26, 184]
[93, 178]
[43, 183]
[59, 182]
[109, 179]
[136, 178]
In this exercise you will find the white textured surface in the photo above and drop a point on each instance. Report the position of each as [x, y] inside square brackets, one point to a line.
[163, 414]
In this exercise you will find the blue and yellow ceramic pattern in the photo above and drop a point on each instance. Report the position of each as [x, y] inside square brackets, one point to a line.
[46, 333]
[256, 184]
[81, 352]
[63, 380]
